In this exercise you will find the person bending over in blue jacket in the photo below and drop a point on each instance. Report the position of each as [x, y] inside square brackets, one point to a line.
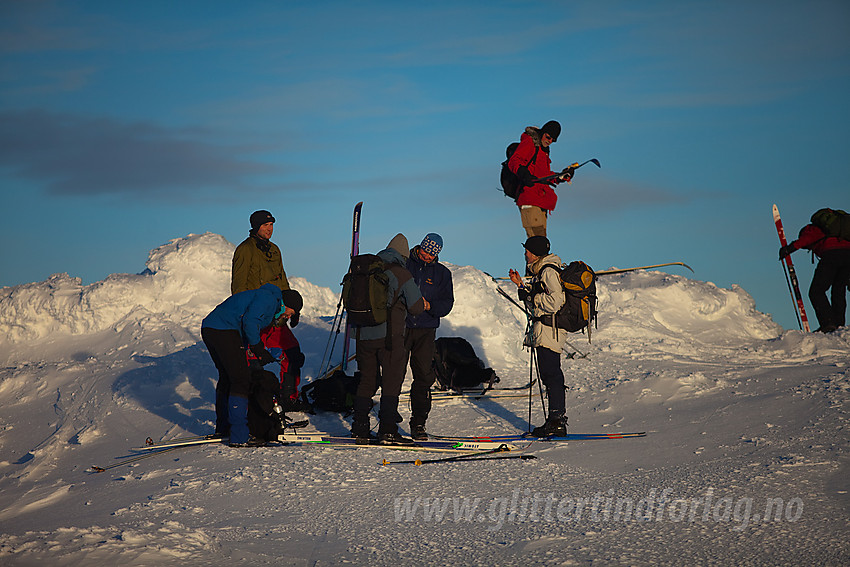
[234, 324]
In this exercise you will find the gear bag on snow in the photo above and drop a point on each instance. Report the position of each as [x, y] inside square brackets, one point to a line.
[457, 366]
[263, 421]
[578, 281]
[833, 222]
[511, 184]
[332, 393]
[364, 291]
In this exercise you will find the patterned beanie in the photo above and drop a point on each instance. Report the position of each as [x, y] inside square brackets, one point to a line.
[432, 244]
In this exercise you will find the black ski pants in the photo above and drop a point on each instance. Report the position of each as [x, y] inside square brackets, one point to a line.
[832, 271]
[379, 365]
[234, 374]
[549, 366]
[419, 344]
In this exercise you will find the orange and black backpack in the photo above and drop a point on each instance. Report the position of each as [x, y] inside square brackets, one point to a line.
[578, 281]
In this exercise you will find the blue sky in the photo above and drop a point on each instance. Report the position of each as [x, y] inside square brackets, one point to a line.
[124, 125]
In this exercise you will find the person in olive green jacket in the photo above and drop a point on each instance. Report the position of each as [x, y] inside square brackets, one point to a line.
[257, 261]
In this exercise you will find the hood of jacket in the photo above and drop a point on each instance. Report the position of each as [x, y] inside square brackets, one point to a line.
[392, 256]
[542, 261]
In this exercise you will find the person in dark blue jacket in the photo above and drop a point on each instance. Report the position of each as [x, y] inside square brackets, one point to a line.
[234, 324]
[435, 283]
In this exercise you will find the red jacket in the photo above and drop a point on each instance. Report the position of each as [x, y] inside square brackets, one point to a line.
[278, 340]
[539, 194]
[814, 239]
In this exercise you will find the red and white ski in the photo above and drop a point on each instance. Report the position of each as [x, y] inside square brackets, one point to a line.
[791, 276]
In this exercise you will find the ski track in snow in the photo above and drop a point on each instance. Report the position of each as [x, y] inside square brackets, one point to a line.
[739, 413]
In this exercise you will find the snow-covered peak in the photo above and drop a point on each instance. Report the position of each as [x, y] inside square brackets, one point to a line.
[187, 277]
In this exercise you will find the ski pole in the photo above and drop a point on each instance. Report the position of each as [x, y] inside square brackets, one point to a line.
[97, 469]
[503, 448]
[791, 291]
[530, 379]
[540, 388]
[331, 335]
[573, 167]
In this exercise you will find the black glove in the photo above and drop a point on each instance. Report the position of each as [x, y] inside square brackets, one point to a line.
[525, 176]
[296, 359]
[523, 293]
[264, 356]
[567, 173]
[786, 250]
[293, 320]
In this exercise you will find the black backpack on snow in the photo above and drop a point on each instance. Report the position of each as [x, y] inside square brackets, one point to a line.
[457, 366]
[332, 393]
[511, 184]
[578, 280]
[364, 291]
[263, 422]
[833, 222]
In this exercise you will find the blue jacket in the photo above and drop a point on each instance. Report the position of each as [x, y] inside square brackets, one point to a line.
[435, 283]
[403, 297]
[248, 312]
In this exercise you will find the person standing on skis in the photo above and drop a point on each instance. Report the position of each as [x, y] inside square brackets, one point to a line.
[381, 357]
[435, 283]
[544, 296]
[258, 261]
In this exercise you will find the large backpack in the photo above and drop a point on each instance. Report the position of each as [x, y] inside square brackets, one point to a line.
[457, 366]
[833, 222]
[332, 393]
[578, 281]
[263, 422]
[364, 291]
[511, 184]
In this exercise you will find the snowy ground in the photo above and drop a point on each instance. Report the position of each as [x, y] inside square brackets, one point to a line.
[745, 461]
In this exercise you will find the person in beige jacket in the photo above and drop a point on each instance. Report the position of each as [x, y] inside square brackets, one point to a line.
[544, 295]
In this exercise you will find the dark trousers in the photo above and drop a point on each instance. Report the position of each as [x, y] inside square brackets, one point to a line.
[833, 271]
[234, 375]
[419, 344]
[376, 362]
[549, 365]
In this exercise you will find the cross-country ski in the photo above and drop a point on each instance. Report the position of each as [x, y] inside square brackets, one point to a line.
[791, 275]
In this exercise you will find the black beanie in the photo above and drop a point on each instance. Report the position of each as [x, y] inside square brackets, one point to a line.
[293, 299]
[259, 218]
[537, 245]
[553, 128]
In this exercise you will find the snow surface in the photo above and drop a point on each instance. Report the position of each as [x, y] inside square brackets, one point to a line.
[739, 415]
